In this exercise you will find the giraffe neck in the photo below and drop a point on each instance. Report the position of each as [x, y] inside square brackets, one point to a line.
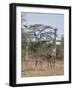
[54, 52]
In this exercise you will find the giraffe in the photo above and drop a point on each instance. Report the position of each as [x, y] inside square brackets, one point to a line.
[51, 55]
[53, 58]
[50, 58]
[53, 50]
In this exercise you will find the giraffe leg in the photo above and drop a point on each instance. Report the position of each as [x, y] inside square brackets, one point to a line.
[51, 63]
[41, 66]
[48, 64]
[35, 64]
[54, 63]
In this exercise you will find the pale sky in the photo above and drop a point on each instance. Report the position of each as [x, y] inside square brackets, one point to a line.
[54, 20]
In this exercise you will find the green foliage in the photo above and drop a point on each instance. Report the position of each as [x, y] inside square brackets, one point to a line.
[60, 49]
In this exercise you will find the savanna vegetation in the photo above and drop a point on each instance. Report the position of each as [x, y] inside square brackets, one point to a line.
[40, 51]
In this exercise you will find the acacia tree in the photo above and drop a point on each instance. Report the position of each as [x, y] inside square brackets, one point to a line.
[44, 33]
[40, 32]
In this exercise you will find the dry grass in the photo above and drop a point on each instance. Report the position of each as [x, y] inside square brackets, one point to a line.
[29, 70]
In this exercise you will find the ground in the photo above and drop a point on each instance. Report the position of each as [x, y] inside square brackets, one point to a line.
[28, 68]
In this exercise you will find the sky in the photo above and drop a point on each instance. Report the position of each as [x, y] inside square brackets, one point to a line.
[54, 20]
